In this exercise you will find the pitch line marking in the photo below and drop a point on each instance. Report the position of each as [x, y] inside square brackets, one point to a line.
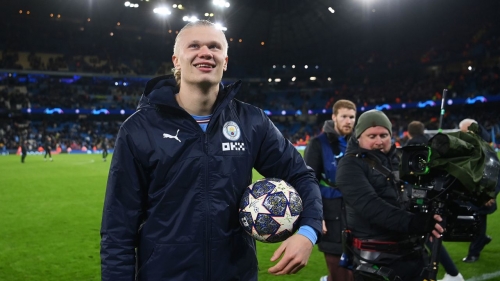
[486, 276]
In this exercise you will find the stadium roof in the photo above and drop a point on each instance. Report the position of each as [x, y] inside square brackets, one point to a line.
[278, 32]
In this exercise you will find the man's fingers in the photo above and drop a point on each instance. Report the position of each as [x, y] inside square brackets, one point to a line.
[278, 268]
[278, 253]
[286, 266]
[297, 269]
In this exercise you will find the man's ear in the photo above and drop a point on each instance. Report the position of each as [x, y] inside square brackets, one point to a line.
[225, 63]
[176, 63]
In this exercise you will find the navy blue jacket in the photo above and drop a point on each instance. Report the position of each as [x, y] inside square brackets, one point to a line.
[171, 205]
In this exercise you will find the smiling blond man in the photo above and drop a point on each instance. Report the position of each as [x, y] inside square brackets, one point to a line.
[180, 167]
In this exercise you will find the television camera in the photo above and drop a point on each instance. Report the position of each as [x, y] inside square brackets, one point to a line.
[450, 176]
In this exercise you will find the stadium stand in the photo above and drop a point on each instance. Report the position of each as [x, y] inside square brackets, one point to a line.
[48, 64]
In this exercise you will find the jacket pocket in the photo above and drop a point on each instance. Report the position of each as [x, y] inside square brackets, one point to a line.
[234, 258]
[171, 262]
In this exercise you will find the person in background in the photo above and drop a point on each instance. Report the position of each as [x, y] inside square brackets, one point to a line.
[416, 133]
[385, 235]
[481, 239]
[323, 154]
[24, 150]
[104, 147]
[180, 166]
[47, 146]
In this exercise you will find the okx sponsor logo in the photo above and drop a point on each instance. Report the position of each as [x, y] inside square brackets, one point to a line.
[233, 146]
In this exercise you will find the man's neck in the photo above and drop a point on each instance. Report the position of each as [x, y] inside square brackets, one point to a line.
[196, 100]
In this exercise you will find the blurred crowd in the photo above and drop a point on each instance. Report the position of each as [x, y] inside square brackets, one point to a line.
[73, 66]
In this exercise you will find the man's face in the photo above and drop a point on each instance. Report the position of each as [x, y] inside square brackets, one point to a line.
[344, 121]
[201, 55]
[375, 138]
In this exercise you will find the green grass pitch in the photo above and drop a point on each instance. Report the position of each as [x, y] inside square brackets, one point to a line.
[51, 213]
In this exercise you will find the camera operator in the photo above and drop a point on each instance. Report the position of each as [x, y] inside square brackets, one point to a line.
[480, 239]
[386, 239]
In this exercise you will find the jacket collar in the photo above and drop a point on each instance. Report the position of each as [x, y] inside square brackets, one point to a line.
[162, 90]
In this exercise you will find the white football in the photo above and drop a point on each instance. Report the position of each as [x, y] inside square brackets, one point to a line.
[269, 210]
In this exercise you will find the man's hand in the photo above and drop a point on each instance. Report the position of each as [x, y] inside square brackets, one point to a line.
[438, 229]
[294, 253]
[490, 202]
[324, 227]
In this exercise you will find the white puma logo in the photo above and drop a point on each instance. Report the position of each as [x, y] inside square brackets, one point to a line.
[168, 136]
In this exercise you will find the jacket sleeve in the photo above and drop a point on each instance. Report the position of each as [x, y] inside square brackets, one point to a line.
[313, 155]
[122, 212]
[361, 196]
[278, 158]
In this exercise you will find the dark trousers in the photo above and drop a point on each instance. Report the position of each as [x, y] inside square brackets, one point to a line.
[336, 272]
[23, 157]
[477, 245]
[47, 151]
[104, 153]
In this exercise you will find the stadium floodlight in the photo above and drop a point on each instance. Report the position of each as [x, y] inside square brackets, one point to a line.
[294, 78]
[331, 10]
[277, 80]
[163, 11]
[220, 27]
[312, 78]
[190, 18]
[221, 3]
[131, 5]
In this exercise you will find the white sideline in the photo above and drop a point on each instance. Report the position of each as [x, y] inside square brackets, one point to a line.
[486, 276]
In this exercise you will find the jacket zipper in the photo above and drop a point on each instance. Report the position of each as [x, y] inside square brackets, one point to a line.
[207, 213]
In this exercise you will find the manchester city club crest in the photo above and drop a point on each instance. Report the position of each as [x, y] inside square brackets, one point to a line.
[231, 131]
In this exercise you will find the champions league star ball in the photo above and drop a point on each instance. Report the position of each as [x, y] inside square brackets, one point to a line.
[269, 210]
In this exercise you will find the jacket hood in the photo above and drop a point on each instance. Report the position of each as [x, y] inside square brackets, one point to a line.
[333, 135]
[162, 90]
[329, 127]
